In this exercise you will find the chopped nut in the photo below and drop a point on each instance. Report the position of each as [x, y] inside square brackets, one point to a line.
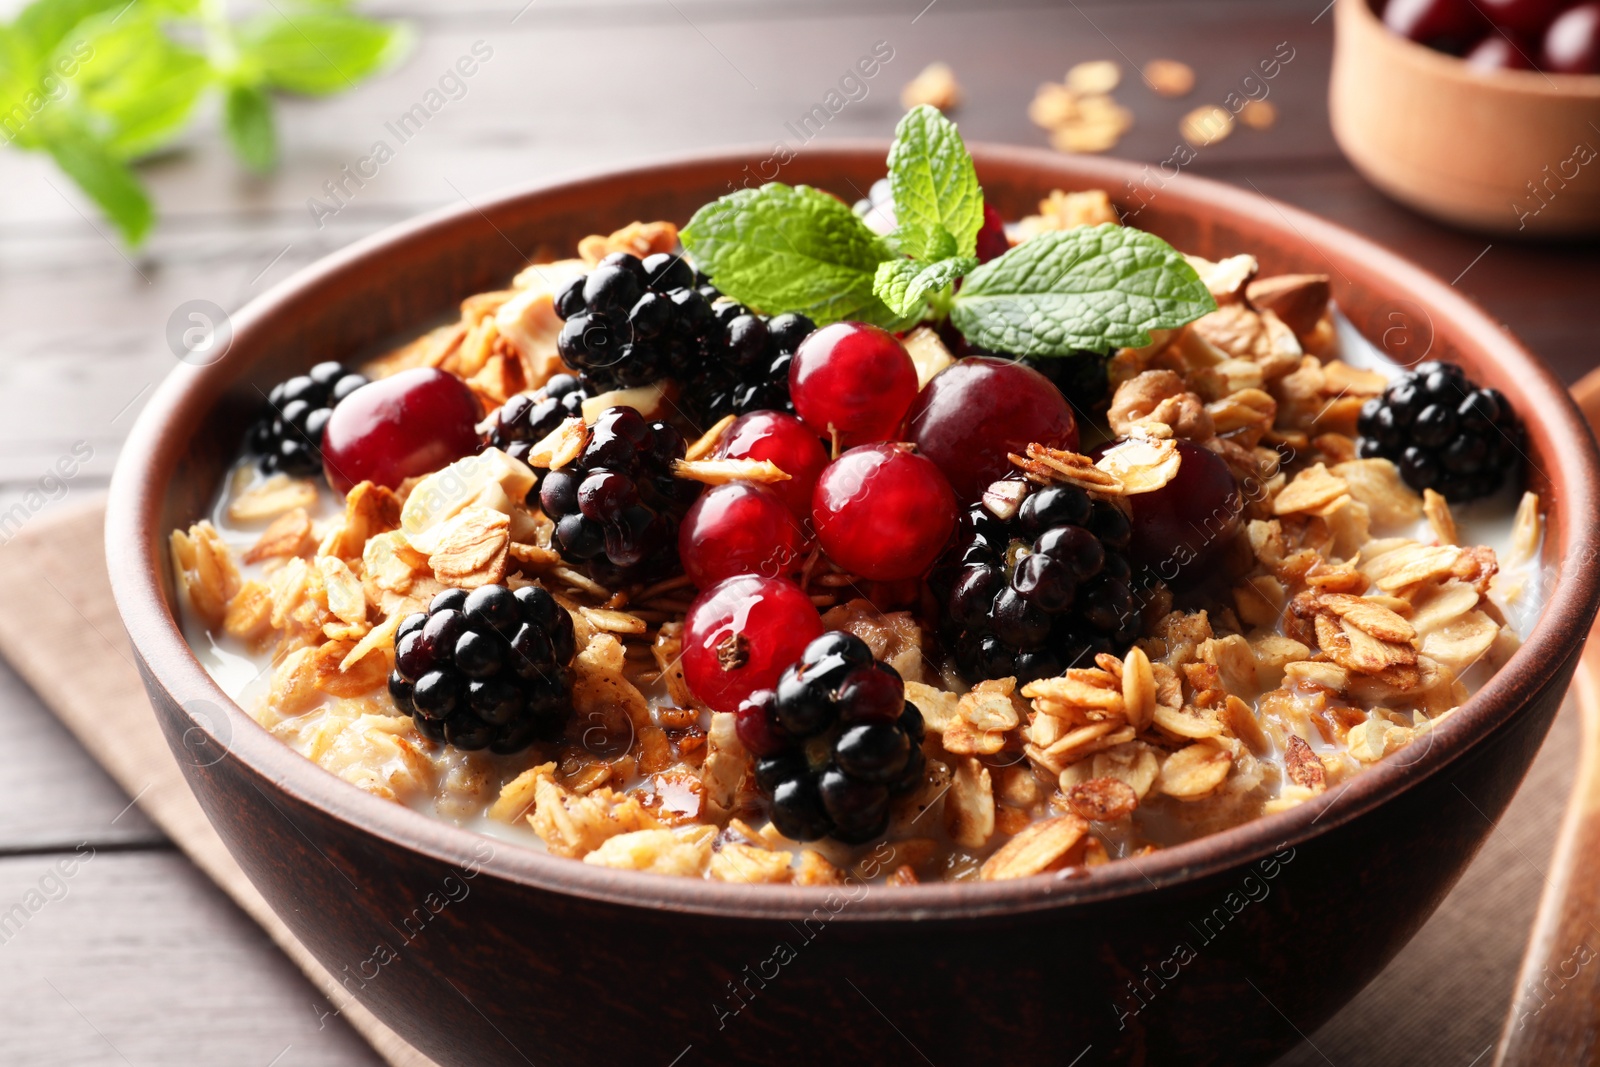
[685, 851]
[1169, 77]
[928, 354]
[1206, 125]
[1102, 799]
[1302, 765]
[723, 471]
[1258, 114]
[560, 446]
[935, 86]
[1300, 300]
[1159, 397]
[1094, 76]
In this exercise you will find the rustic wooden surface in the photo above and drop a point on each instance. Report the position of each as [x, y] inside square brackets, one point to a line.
[141, 961]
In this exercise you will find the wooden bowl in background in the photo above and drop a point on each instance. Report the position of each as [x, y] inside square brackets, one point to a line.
[1221, 951]
[1504, 152]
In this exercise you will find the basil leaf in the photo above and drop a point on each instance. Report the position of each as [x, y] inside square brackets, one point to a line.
[106, 180]
[785, 248]
[905, 284]
[935, 185]
[320, 51]
[247, 115]
[1094, 287]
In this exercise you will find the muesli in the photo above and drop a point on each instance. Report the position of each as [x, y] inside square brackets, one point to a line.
[893, 539]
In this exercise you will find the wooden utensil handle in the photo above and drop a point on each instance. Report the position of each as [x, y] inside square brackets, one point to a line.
[1555, 1009]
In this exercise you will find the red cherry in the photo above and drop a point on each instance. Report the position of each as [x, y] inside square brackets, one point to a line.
[992, 240]
[980, 409]
[741, 633]
[1448, 24]
[1495, 52]
[1528, 17]
[740, 528]
[1572, 43]
[787, 442]
[852, 379]
[883, 513]
[1181, 527]
[398, 427]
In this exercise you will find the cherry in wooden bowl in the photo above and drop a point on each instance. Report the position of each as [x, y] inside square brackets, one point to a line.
[1196, 954]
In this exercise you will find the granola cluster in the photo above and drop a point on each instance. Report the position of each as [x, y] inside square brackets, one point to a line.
[1349, 620]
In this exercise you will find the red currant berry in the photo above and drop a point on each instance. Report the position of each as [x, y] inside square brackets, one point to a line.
[883, 512]
[992, 241]
[398, 427]
[741, 633]
[976, 412]
[1183, 526]
[1572, 43]
[852, 379]
[740, 528]
[787, 442]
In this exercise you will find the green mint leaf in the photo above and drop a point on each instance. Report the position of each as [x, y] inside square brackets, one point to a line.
[936, 191]
[1094, 287]
[247, 113]
[105, 179]
[320, 51]
[784, 248]
[905, 284]
[45, 24]
[142, 84]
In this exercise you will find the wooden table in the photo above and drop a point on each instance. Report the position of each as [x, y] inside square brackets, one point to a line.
[142, 961]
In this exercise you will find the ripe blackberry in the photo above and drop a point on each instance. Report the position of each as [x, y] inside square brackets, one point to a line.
[528, 418]
[1030, 596]
[486, 669]
[630, 322]
[834, 742]
[1443, 432]
[619, 499]
[289, 438]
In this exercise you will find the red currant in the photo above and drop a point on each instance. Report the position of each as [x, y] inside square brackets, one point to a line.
[992, 241]
[787, 442]
[976, 412]
[740, 528]
[1183, 526]
[883, 512]
[1572, 43]
[741, 633]
[398, 427]
[853, 380]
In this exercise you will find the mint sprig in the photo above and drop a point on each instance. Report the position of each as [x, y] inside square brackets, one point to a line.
[101, 84]
[795, 249]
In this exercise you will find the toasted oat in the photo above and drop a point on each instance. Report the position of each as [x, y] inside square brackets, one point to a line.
[1062, 210]
[617, 622]
[707, 442]
[1102, 799]
[748, 864]
[1051, 466]
[272, 497]
[206, 571]
[722, 471]
[1328, 676]
[1393, 568]
[1133, 762]
[1080, 693]
[1169, 77]
[969, 804]
[561, 445]
[1141, 464]
[573, 825]
[1461, 642]
[935, 85]
[287, 535]
[1094, 76]
[1527, 530]
[637, 238]
[1377, 484]
[470, 549]
[1311, 489]
[1194, 772]
[1366, 613]
[685, 851]
[1047, 845]
[1138, 689]
[345, 597]
[1206, 125]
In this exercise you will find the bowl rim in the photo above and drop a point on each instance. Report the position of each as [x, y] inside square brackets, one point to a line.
[136, 547]
[1549, 84]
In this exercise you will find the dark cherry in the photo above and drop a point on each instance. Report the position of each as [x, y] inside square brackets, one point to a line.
[1450, 25]
[980, 409]
[407, 424]
[1572, 43]
[1180, 528]
[1526, 17]
[992, 241]
[1497, 52]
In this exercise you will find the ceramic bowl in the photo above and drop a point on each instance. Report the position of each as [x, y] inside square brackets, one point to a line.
[1511, 152]
[1219, 951]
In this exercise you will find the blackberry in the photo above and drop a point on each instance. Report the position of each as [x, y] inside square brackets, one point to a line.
[289, 438]
[834, 742]
[1030, 596]
[528, 418]
[630, 322]
[1443, 431]
[486, 669]
[619, 499]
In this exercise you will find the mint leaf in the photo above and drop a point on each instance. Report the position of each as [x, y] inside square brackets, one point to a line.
[106, 180]
[142, 84]
[905, 284]
[784, 248]
[935, 185]
[1094, 287]
[247, 114]
[320, 51]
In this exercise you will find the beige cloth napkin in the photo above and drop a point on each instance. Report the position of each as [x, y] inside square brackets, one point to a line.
[1441, 1001]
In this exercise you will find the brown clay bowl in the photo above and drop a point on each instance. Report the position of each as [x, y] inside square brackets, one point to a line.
[1220, 951]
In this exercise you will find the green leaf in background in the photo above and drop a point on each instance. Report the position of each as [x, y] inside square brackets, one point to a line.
[247, 115]
[936, 194]
[142, 85]
[785, 248]
[319, 51]
[905, 284]
[106, 180]
[1095, 287]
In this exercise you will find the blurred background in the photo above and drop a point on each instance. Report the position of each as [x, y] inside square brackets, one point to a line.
[144, 962]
